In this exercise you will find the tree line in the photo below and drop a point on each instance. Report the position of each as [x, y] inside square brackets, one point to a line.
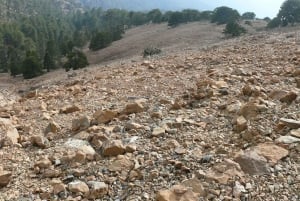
[35, 35]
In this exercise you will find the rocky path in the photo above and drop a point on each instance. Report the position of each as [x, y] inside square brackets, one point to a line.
[216, 124]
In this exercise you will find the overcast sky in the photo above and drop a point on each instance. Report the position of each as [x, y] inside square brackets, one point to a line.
[262, 8]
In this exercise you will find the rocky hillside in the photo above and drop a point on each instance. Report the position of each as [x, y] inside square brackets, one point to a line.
[222, 123]
[12, 9]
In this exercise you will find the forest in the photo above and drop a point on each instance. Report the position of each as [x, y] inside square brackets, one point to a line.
[36, 36]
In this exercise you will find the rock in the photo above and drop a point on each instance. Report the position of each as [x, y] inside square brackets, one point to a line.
[291, 123]
[78, 187]
[247, 90]
[133, 126]
[97, 189]
[241, 124]
[158, 132]
[120, 163]
[297, 82]
[82, 146]
[103, 117]
[80, 124]
[178, 193]
[289, 98]
[136, 107]
[58, 188]
[252, 163]
[12, 135]
[251, 110]
[52, 127]
[130, 148]
[295, 133]
[40, 141]
[196, 186]
[10, 132]
[43, 163]
[5, 177]
[224, 171]
[271, 152]
[113, 148]
[287, 139]
[238, 189]
[69, 109]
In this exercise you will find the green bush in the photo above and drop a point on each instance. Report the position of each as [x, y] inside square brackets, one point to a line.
[223, 15]
[149, 51]
[31, 67]
[234, 29]
[76, 60]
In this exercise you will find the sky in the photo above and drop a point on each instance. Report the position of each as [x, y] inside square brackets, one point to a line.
[262, 8]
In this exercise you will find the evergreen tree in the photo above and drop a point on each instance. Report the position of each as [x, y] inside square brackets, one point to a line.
[100, 41]
[76, 60]
[31, 66]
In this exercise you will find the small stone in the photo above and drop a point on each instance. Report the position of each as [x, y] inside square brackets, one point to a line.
[58, 188]
[40, 141]
[52, 127]
[291, 123]
[196, 186]
[224, 171]
[5, 177]
[113, 148]
[287, 139]
[158, 132]
[241, 124]
[78, 187]
[130, 148]
[69, 109]
[103, 117]
[120, 163]
[297, 82]
[180, 150]
[289, 98]
[136, 107]
[43, 163]
[81, 123]
[98, 189]
[177, 192]
[238, 189]
[295, 133]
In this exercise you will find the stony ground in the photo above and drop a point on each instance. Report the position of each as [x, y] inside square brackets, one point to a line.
[221, 123]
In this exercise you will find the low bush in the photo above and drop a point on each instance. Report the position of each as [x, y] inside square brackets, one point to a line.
[149, 51]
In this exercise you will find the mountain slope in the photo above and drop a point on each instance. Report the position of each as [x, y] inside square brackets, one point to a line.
[145, 5]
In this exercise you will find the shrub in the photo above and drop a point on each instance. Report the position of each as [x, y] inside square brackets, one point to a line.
[149, 51]
[248, 16]
[249, 23]
[223, 15]
[31, 67]
[76, 60]
[234, 29]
